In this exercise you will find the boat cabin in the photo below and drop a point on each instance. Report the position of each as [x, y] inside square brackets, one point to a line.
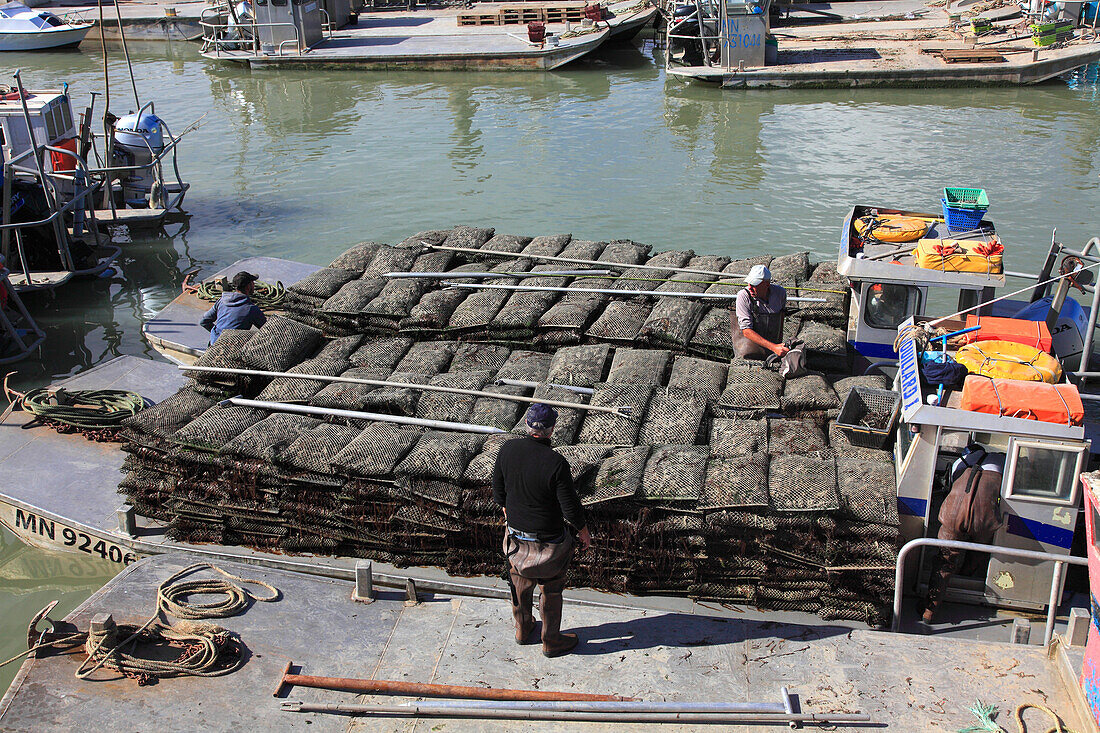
[51, 115]
[1040, 494]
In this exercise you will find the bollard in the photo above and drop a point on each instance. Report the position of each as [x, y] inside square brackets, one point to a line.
[126, 523]
[1077, 631]
[411, 598]
[1021, 631]
[364, 582]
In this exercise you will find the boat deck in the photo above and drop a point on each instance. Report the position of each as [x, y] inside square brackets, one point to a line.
[902, 682]
[175, 331]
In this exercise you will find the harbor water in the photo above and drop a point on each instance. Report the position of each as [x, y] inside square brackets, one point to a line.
[303, 165]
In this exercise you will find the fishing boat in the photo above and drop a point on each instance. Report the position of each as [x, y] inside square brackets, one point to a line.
[26, 29]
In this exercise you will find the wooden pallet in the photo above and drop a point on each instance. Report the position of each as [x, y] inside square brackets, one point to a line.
[971, 56]
[564, 15]
[479, 19]
[514, 14]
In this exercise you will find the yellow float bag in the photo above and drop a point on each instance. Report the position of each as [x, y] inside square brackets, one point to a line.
[892, 228]
[956, 255]
[1009, 360]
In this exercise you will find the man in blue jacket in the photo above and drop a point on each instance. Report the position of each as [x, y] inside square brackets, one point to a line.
[234, 309]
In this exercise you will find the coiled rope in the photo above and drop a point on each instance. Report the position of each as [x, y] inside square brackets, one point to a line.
[208, 650]
[87, 409]
[266, 295]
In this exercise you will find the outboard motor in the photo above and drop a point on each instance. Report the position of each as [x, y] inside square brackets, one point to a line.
[138, 139]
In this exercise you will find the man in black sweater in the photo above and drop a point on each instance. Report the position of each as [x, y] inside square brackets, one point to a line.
[534, 486]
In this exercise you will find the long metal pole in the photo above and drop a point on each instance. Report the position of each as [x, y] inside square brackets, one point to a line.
[423, 689]
[575, 261]
[635, 706]
[480, 275]
[623, 411]
[899, 567]
[609, 291]
[356, 415]
[439, 711]
[525, 383]
[1090, 332]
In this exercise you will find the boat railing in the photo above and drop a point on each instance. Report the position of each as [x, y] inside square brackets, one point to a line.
[9, 327]
[214, 29]
[1060, 561]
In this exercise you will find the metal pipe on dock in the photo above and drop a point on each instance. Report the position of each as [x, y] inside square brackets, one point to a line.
[536, 385]
[443, 711]
[356, 415]
[623, 411]
[609, 291]
[480, 275]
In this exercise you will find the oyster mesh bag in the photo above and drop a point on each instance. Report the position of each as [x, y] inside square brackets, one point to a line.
[427, 357]
[573, 311]
[395, 400]
[674, 473]
[752, 387]
[437, 455]
[495, 412]
[354, 296]
[224, 353]
[808, 392]
[339, 349]
[638, 366]
[357, 258]
[313, 451]
[217, 426]
[547, 246]
[449, 406]
[376, 451]
[580, 366]
[794, 435]
[618, 477]
[704, 376]
[345, 395]
[736, 483]
[433, 311]
[381, 353]
[803, 483]
[527, 366]
[280, 344]
[391, 259]
[394, 302]
[583, 459]
[170, 414]
[602, 427]
[471, 356]
[620, 322]
[712, 337]
[264, 439]
[790, 270]
[672, 322]
[289, 389]
[638, 279]
[867, 490]
[511, 243]
[738, 437]
[674, 417]
[826, 347]
[624, 251]
[324, 283]
[480, 469]
[583, 249]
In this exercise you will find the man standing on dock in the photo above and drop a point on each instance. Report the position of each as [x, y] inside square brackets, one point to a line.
[534, 486]
[234, 309]
[758, 316]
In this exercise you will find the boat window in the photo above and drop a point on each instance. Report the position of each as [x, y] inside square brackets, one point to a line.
[51, 123]
[53, 20]
[66, 114]
[1044, 472]
[886, 305]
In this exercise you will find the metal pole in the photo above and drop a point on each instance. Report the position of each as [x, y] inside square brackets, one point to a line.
[574, 261]
[1052, 603]
[440, 711]
[1086, 349]
[355, 415]
[623, 411]
[899, 567]
[480, 275]
[525, 383]
[608, 291]
[636, 706]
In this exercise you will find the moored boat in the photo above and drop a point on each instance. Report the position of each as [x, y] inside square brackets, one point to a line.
[26, 29]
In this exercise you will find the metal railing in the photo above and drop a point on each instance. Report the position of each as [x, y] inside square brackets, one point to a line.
[1055, 582]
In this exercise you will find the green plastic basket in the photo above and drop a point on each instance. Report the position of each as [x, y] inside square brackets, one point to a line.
[966, 198]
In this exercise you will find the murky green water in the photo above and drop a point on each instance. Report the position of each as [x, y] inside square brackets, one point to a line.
[302, 166]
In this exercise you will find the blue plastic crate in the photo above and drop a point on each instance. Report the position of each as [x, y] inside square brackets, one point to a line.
[962, 220]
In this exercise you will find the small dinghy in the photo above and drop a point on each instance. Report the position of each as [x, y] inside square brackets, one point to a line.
[25, 29]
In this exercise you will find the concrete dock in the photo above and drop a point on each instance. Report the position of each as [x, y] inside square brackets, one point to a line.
[902, 682]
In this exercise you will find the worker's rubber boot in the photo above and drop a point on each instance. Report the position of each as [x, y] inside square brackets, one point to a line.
[523, 591]
[554, 643]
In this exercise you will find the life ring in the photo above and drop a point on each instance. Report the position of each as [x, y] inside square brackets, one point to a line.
[1009, 360]
[892, 228]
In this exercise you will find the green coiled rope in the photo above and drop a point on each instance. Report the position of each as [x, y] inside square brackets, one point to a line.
[266, 295]
[87, 409]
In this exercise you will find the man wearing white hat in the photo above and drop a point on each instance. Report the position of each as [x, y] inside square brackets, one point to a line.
[758, 324]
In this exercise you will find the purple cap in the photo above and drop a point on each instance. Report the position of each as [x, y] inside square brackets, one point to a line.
[541, 417]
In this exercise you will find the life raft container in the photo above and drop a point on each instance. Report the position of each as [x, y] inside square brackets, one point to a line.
[1009, 360]
[956, 255]
[1018, 330]
[892, 228]
[1054, 403]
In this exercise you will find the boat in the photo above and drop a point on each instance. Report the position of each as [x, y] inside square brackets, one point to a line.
[26, 29]
[734, 46]
[627, 19]
[446, 39]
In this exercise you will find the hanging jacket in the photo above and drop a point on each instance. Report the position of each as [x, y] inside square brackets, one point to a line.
[233, 310]
[972, 510]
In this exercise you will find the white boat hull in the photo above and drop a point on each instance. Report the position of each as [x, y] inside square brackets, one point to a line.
[43, 39]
